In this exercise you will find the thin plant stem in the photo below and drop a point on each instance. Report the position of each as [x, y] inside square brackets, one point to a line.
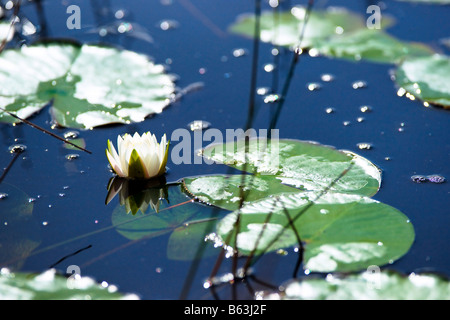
[266, 221]
[299, 241]
[45, 131]
[302, 211]
[13, 22]
[69, 255]
[286, 86]
[250, 117]
[276, 57]
[290, 75]
[255, 60]
[194, 266]
[268, 217]
[5, 172]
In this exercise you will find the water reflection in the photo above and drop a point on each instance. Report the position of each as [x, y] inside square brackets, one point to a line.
[138, 195]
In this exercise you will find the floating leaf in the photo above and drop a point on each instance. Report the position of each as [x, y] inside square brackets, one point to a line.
[87, 85]
[372, 45]
[225, 190]
[287, 27]
[427, 78]
[301, 164]
[334, 32]
[51, 286]
[379, 285]
[340, 232]
[342, 229]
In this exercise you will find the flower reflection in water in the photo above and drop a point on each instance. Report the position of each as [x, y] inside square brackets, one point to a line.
[138, 195]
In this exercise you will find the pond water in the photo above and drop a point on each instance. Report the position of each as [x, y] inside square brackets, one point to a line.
[70, 214]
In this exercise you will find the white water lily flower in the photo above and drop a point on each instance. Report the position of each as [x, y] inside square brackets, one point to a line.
[138, 157]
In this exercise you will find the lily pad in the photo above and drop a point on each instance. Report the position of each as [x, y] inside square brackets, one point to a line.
[300, 164]
[225, 191]
[86, 85]
[427, 78]
[341, 227]
[51, 286]
[340, 232]
[371, 45]
[379, 285]
[334, 32]
[288, 26]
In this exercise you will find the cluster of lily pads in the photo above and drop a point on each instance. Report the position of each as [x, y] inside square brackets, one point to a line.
[290, 193]
[339, 33]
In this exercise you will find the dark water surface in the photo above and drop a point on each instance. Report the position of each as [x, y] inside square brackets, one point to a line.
[406, 137]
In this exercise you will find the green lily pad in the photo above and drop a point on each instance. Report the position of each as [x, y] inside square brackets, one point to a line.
[370, 285]
[300, 164]
[340, 232]
[51, 286]
[286, 31]
[224, 190]
[427, 78]
[342, 229]
[87, 85]
[371, 45]
[334, 32]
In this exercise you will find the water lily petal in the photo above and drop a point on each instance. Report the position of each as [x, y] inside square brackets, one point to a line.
[138, 157]
[115, 165]
[113, 151]
[162, 168]
[136, 168]
[152, 165]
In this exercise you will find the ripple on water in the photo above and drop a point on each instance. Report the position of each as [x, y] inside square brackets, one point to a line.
[17, 148]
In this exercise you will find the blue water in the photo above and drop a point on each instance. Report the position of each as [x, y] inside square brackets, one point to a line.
[69, 211]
